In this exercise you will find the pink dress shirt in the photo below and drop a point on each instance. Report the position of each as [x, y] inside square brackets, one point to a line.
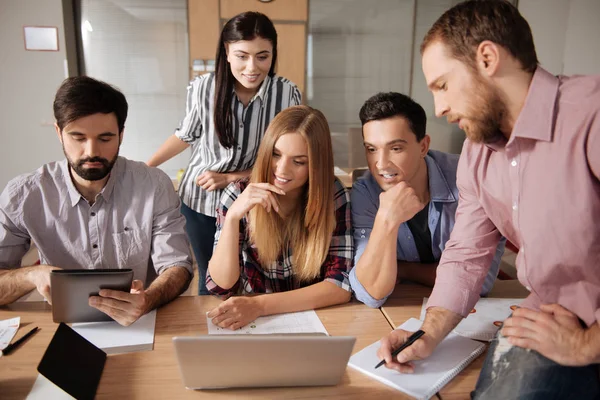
[540, 190]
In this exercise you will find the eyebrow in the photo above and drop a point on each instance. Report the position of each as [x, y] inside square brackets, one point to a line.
[396, 141]
[75, 133]
[297, 156]
[435, 83]
[260, 52]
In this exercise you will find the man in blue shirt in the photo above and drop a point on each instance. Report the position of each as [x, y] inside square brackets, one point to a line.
[403, 207]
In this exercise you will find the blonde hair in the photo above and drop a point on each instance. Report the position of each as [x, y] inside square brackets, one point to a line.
[308, 230]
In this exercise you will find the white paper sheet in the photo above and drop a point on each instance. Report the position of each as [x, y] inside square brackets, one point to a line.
[44, 389]
[8, 329]
[114, 338]
[298, 322]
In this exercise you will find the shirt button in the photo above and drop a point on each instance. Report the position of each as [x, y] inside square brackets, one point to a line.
[95, 246]
[409, 237]
[241, 125]
[362, 236]
[514, 163]
[93, 214]
[362, 231]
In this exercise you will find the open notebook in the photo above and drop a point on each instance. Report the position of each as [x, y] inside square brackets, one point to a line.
[451, 356]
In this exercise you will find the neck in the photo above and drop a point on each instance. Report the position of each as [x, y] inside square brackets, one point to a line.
[244, 94]
[420, 182]
[88, 189]
[514, 90]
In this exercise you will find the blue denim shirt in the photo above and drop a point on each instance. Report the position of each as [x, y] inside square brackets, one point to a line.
[441, 168]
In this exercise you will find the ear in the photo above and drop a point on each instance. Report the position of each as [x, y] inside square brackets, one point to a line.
[58, 132]
[487, 57]
[121, 134]
[226, 45]
[424, 143]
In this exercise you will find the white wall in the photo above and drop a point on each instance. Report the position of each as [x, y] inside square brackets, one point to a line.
[582, 44]
[28, 83]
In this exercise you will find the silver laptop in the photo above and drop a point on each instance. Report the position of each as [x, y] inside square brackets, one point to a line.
[226, 361]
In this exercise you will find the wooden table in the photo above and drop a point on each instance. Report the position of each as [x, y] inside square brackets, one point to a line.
[406, 302]
[155, 375]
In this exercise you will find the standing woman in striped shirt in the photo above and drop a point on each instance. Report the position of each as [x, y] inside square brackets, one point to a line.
[287, 233]
[227, 114]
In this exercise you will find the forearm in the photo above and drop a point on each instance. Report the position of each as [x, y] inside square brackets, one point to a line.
[169, 149]
[167, 286]
[315, 296]
[224, 266]
[377, 267]
[439, 322]
[15, 283]
[237, 175]
[417, 272]
[593, 343]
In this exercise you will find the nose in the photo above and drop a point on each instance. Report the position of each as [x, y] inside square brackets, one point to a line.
[382, 160]
[251, 63]
[91, 148]
[441, 105]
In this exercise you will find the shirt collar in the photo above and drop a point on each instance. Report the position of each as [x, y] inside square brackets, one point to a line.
[536, 119]
[439, 190]
[106, 192]
[262, 91]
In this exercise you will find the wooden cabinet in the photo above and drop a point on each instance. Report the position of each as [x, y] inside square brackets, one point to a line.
[277, 10]
[290, 17]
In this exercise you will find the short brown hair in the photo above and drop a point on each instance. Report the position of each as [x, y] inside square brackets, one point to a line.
[463, 27]
[81, 96]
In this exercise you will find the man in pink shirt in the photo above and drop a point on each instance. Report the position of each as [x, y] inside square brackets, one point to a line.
[529, 171]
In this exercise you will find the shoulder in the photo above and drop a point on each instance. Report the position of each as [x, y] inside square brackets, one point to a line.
[341, 194]
[49, 179]
[581, 91]
[136, 174]
[280, 81]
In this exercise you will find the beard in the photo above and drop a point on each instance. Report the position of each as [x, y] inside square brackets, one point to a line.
[490, 110]
[92, 174]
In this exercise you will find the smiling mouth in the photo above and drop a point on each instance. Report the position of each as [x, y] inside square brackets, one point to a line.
[388, 176]
[281, 180]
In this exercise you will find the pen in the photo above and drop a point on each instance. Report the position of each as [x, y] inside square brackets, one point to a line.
[8, 349]
[412, 338]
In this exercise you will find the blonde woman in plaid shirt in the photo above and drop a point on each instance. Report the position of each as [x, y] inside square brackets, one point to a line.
[286, 233]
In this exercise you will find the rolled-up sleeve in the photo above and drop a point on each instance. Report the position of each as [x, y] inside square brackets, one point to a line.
[14, 239]
[190, 128]
[469, 251]
[364, 211]
[230, 194]
[170, 246]
[339, 260]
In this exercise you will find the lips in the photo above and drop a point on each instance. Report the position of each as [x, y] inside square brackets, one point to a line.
[251, 77]
[388, 176]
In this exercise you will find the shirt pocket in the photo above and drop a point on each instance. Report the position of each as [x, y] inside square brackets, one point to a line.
[129, 249]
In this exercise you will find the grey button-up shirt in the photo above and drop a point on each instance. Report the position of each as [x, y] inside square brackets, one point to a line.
[134, 223]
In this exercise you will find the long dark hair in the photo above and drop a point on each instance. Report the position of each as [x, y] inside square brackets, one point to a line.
[245, 26]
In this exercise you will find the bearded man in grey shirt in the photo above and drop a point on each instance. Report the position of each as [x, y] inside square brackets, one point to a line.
[95, 210]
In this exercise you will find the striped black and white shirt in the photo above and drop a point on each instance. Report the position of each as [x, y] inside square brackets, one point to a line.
[249, 125]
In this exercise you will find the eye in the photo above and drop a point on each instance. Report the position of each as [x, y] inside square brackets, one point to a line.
[263, 58]
[104, 140]
[397, 149]
[444, 87]
[79, 139]
[299, 162]
[371, 149]
[241, 57]
[276, 155]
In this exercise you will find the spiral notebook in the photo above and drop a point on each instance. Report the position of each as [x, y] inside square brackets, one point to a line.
[451, 356]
